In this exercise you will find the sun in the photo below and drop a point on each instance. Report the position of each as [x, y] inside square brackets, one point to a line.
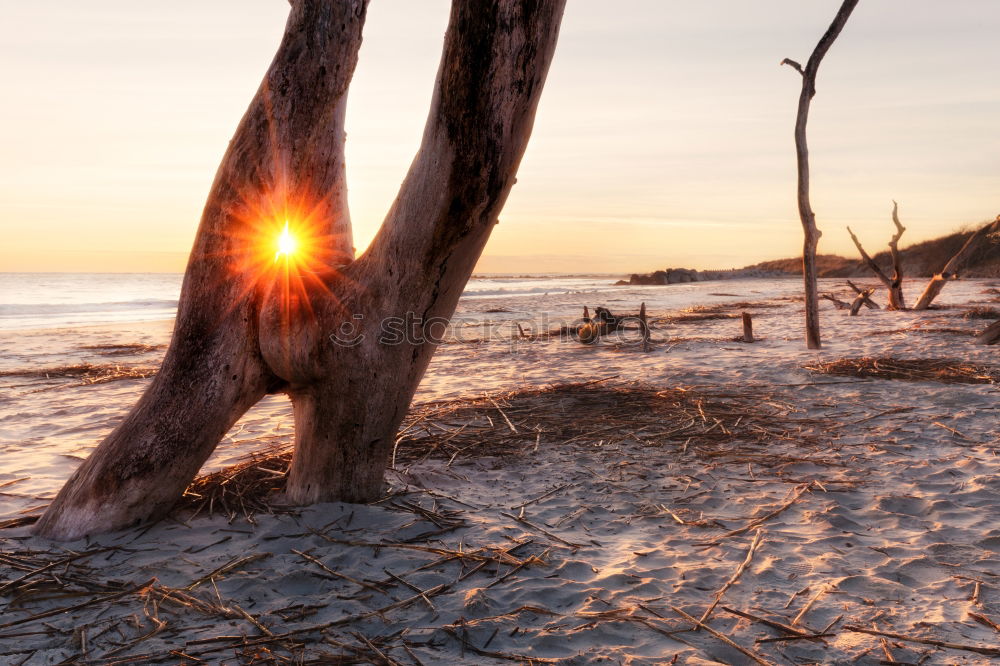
[287, 245]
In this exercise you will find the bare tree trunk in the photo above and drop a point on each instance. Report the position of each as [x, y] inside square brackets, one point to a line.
[808, 218]
[895, 284]
[951, 269]
[250, 323]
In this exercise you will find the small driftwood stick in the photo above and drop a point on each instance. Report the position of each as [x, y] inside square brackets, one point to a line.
[729, 583]
[808, 606]
[985, 621]
[793, 637]
[869, 303]
[990, 336]
[725, 639]
[990, 651]
[770, 623]
[747, 327]
[756, 522]
[860, 299]
[544, 531]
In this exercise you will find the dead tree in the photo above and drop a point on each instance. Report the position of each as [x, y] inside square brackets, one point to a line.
[839, 304]
[806, 215]
[952, 268]
[312, 324]
[895, 284]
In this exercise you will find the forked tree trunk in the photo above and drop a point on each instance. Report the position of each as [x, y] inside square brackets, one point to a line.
[250, 322]
[895, 284]
[806, 215]
[951, 269]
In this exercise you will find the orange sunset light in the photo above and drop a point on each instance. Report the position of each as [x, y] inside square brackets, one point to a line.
[287, 243]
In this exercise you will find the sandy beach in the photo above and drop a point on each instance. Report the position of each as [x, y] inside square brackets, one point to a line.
[553, 502]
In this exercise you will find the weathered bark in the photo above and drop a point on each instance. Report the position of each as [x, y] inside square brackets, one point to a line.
[895, 284]
[249, 323]
[952, 268]
[990, 336]
[869, 303]
[811, 231]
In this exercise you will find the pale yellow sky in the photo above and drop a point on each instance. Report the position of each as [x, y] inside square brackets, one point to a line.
[664, 135]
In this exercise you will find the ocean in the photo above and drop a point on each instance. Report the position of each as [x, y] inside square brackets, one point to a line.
[61, 300]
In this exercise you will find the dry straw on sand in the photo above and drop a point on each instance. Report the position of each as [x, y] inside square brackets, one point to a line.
[718, 425]
[86, 373]
[947, 371]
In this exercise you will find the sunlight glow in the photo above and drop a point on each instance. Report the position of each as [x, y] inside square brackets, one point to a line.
[287, 244]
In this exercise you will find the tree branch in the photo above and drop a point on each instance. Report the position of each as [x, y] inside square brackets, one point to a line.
[879, 273]
[793, 64]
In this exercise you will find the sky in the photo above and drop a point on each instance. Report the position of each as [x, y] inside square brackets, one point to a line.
[663, 137]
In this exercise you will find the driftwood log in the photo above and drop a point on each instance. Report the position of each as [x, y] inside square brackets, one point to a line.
[895, 283]
[249, 323]
[869, 303]
[860, 299]
[806, 215]
[839, 304]
[952, 268]
[990, 336]
[602, 323]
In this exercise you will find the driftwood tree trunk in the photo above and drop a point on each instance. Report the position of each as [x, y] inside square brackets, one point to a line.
[951, 269]
[348, 340]
[895, 284]
[806, 215]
